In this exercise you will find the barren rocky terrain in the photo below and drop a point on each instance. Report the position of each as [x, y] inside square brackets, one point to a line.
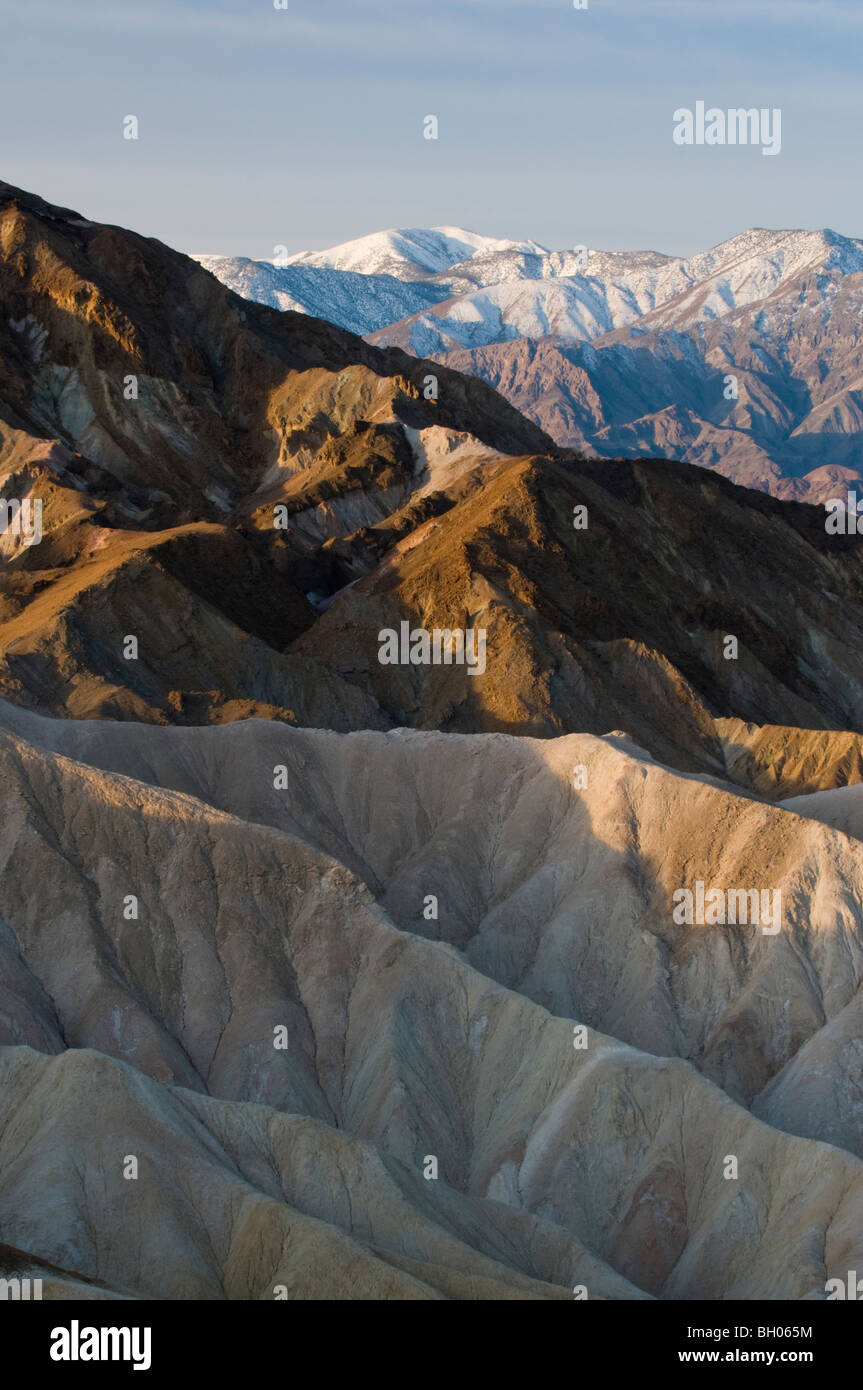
[328, 979]
[744, 358]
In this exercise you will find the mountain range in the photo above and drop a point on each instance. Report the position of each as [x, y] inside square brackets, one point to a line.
[746, 358]
[328, 978]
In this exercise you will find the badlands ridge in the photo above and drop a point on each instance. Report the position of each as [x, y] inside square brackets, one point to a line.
[321, 978]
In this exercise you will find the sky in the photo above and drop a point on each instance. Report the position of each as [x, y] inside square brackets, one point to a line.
[303, 127]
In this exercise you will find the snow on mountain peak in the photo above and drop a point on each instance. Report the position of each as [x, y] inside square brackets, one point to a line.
[426, 250]
[435, 289]
[744, 357]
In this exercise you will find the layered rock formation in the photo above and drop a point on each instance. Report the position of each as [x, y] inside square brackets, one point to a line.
[564, 1157]
[324, 978]
[278, 493]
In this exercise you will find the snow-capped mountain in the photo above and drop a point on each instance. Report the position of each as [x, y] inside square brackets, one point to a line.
[411, 253]
[370, 283]
[608, 295]
[361, 303]
[747, 357]
[435, 290]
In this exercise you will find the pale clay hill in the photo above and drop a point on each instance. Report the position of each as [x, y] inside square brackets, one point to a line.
[302, 1168]
[779, 762]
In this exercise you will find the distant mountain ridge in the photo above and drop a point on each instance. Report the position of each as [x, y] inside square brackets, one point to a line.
[746, 358]
[394, 252]
[398, 507]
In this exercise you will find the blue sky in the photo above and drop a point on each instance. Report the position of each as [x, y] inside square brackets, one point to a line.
[303, 127]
